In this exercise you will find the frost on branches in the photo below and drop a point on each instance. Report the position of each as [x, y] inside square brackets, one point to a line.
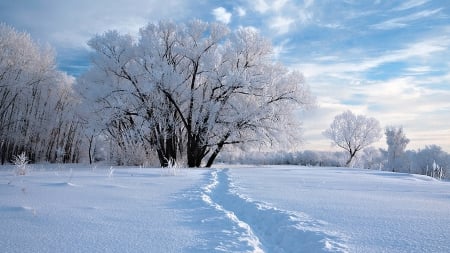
[353, 133]
[396, 141]
[185, 91]
[36, 103]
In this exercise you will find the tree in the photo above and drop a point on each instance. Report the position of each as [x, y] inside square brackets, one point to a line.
[396, 141]
[426, 160]
[187, 90]
[36, 102]
[371, 158]
[353, 133]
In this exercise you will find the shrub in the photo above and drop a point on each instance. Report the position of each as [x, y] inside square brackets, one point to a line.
[21, 164]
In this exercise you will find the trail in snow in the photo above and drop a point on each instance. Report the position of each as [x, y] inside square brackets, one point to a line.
[219, 230]
[251, 226]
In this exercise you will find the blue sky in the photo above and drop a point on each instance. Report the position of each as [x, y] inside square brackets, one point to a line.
[384, 59]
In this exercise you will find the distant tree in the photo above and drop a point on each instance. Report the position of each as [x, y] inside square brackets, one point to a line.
[353, 133]
[371, 158]
[432, 156]
[187, 90]
[396, 141]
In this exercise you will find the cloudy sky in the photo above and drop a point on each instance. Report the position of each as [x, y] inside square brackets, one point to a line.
[382, 58]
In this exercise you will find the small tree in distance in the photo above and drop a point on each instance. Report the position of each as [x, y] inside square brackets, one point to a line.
[353, 133]
[396, 141]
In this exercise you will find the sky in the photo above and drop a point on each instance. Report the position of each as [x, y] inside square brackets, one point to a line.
[385, 59]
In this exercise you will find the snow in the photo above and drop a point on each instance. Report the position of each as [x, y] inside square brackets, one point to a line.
[74, 208]
[373, 211]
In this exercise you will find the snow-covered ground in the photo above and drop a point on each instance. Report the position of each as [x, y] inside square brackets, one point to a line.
[70, 208]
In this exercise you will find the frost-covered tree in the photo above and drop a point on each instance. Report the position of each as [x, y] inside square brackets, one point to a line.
[187, 90]
[432, 156]
[371, 158]
[396, 141]
[36, 102]
[353, 133]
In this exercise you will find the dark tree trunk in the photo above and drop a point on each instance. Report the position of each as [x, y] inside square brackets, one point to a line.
[213, 156]
[196, 151]
[167, 150]
[91, 140]
[352, 155]
[217, 150]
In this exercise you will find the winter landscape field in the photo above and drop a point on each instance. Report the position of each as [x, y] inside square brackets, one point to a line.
[339, 107]
[74, 208]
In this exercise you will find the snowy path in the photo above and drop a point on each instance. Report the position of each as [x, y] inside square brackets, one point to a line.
[259, 227]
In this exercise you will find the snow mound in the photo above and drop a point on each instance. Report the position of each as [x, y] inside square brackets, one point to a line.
[17, 211]
[62, 184]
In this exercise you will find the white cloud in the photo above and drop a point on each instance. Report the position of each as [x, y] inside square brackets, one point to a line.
[280, 48]
[281, 14]
[404, 21]
[356, 64]
[261, 6]
[305, 16]
[417, 70]
[281, 24]
[308, 3]
[241, 12]
[411, 4]
[72, 23]
[222, 15]
[277, 5]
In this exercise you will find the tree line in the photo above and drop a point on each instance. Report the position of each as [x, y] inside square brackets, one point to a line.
[37, 113]
[430, 160]
[178, 93]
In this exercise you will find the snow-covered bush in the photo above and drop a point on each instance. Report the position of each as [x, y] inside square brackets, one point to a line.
[172, 169]
[21, 164]
[438, 171]
[371, 158]
[425, 161]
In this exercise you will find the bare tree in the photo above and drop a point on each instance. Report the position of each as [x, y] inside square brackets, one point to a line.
[353, 133]
[189, 89]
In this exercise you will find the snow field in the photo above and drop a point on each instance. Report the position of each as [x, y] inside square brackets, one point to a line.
[86, 210]
[373, 211]
[240, 209]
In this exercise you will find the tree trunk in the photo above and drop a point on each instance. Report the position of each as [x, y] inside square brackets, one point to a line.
[217, 150]
[213, 156]
[349, 161]
[196, 151]
[167, 150]
[91, 139]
